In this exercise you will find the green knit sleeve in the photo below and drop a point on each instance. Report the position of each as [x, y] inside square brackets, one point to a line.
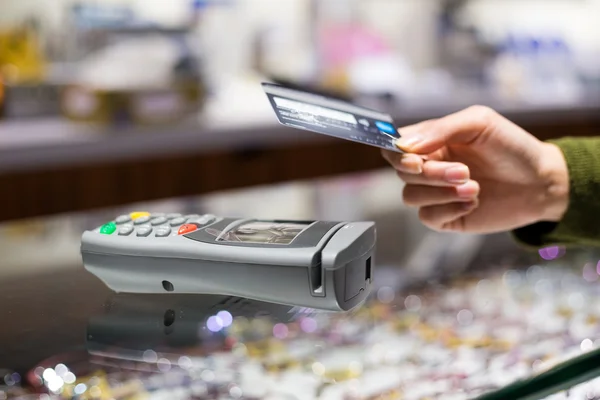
[581, 223]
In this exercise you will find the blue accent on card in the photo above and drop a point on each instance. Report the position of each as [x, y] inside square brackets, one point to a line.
[386, 127]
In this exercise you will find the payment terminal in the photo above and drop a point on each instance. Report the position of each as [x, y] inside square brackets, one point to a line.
[316, 264]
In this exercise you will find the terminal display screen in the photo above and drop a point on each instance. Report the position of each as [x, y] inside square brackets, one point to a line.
[262, 232]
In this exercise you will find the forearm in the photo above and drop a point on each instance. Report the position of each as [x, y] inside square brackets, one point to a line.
[579, 222]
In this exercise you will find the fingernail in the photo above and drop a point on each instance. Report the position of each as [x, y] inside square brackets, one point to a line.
[457, 175]
[467, 191]
[468, 206]
[409, 142]
[411, 168]
[417, 169]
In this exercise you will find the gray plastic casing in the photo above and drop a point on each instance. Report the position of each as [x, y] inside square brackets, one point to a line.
[341, 264]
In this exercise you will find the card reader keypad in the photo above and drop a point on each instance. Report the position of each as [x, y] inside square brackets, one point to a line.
[145, 224]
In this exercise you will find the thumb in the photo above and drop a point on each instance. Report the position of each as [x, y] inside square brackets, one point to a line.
[462, 127]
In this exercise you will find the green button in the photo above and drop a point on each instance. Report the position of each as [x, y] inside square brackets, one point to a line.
[108, 229]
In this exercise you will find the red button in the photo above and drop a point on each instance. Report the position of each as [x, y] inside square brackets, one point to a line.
[186, 228]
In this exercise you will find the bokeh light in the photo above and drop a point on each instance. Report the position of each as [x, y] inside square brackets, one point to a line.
[61, 369]
[226, 318]
[484, 286]
[308, 325]
[214, 324]
[318, 368]
[551, 253]
[587, 345]
[39, 371]
[150, 356]
[542, 287]
[185, 362]
[534, 273]
[512, 278]
[80, 389]
[239, 349]
[69, 378]
[280, 331]
[95, 391]
[55, 384]
[48, 374]
[590, 272]
[385, 295]
[8, 380]
[235, 392]
[465, 317]
[412, 303]
[164, 365]
[207, 375]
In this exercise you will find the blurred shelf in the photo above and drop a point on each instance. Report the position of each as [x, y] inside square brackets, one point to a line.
[56, 166]
[49, 143]
[138, 30]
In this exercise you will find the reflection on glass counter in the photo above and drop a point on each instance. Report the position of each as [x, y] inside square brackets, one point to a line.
[454, 339]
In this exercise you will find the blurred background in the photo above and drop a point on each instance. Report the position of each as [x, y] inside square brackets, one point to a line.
[110, 106]
[113, 106]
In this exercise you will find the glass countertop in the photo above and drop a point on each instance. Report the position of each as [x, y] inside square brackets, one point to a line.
[66, 336]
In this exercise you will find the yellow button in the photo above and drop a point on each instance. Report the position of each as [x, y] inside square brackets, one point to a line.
[139, 214]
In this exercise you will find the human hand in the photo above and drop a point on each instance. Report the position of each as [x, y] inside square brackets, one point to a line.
[481, 174]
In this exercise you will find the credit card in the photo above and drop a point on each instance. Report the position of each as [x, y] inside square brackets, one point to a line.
[332, 117]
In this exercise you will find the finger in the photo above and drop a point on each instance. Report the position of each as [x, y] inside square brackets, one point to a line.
[462, 127]
[446, 216]
[407, 163]
[425, 196]
[439, 173]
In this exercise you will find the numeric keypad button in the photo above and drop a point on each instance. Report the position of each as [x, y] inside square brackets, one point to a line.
[177, 221]
[141, 220]
[158, 221]
[143, 231]
[125, 230]
[163, 231]
[121, 219]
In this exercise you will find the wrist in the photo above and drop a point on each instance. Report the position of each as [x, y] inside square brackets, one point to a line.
[554, 175]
